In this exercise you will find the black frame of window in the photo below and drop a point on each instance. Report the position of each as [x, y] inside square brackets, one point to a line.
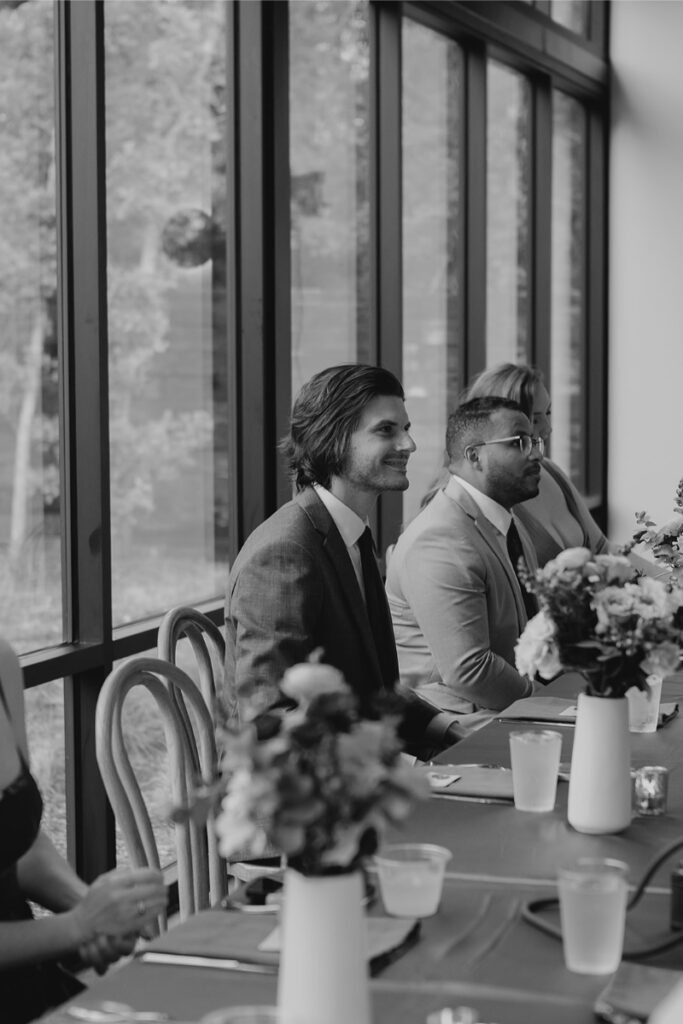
[257, 342]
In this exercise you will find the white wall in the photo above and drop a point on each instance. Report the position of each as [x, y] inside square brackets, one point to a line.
[645, 261]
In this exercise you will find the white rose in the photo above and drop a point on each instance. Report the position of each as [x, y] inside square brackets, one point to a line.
[662, 660]
[536, 650]
[654, 601]
[570, 558]
[614, 568]
[311, 679]
[671, 529]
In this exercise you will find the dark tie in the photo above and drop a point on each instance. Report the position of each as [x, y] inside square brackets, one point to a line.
[378, 610]
[516, 551]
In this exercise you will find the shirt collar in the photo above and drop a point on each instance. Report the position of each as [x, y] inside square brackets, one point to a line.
[495, 513]
[350, 525]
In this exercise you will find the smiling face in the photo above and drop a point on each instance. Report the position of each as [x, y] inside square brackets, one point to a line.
[501, 470]
[377, 455]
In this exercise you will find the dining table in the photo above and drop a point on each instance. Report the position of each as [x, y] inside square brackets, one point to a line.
[493, 944]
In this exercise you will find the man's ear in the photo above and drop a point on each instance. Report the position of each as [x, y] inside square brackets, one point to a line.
[471, 454]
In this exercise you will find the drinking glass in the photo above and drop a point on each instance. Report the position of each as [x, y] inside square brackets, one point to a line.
[643, 706]
[535, 758]
[411, 878]
[593, 914]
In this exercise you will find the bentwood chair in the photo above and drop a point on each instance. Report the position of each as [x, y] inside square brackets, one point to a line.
[208, 648]
[206, 643]
[192, 758]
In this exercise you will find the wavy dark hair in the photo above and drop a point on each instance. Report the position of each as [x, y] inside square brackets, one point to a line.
[326, 412]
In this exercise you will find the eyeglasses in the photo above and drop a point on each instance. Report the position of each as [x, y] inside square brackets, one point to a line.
[525, 441]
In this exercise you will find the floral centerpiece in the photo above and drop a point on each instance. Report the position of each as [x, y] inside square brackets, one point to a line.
[325, 783]
[319, 783]
[665, 542]
[600, 617]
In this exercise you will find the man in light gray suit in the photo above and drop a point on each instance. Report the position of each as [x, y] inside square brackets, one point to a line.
[456, 602]
[307, 577]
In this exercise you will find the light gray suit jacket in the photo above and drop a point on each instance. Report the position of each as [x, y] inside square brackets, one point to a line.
[457, 606]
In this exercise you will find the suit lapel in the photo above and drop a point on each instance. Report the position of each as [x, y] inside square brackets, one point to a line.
[338, 558]
[491, 537]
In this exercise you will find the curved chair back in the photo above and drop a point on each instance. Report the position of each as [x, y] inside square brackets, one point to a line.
[206, 641]
[192, 758]
[208, 646]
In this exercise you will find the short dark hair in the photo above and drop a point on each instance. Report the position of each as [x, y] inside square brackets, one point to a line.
[326, 412]
[465, 424]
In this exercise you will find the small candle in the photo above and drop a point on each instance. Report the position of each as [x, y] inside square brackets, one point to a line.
[650, 790]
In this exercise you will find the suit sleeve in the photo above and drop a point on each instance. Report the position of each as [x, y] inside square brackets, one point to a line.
[274, 603]
[446, 589]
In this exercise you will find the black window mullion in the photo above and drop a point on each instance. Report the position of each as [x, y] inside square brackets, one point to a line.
[278, 130]
[386, 218]
[475, 210]
[85, 410]
[596, 314]
[255, 472]
[541, 224]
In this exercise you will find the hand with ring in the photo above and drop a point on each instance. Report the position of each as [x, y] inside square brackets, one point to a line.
[120, 904]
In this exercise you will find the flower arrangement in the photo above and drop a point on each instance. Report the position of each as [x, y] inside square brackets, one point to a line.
[599, 617]
[665, 541]
[324, 784]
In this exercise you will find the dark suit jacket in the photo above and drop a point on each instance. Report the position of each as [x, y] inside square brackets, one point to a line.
[292, 588]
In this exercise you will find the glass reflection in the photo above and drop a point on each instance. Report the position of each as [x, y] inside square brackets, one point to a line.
[30, 557]
[432, 245]
[507, 209]
[568, 254]
[165, 119]
[329, 139]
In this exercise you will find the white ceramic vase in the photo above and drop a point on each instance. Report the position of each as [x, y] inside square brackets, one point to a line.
[600, 777]
[323, 977]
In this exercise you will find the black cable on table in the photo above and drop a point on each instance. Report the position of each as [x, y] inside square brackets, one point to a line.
[532, 909]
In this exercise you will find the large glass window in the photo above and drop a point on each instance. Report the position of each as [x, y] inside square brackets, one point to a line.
[329, 160]
[508, 107]
[432, 88]
[30, 559]
[166, 161]
[568, 294]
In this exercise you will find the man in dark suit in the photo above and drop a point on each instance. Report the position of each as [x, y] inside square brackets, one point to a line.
[307, 578]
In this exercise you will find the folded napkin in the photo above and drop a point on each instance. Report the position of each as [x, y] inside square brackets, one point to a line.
[541, 709]
[253, 939]
[469, 780]
[561, 710]
[633, 992]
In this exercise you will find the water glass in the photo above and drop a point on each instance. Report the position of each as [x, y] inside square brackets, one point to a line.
[593, 914]
[411, 878]
[643, 706]
[535, 758]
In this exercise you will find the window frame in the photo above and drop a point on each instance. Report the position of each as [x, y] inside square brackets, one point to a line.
[258, 335]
